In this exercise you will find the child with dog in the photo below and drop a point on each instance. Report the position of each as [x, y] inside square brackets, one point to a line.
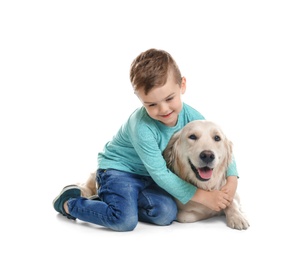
[133, 181]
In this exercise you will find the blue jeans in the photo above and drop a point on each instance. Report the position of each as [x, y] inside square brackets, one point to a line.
[125, 198]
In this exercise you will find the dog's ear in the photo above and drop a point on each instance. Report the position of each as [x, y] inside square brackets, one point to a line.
[170, 152]
[229, 151]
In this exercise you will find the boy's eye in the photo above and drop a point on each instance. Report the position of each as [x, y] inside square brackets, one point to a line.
[169, 99]
[151, 105]
[193, 137]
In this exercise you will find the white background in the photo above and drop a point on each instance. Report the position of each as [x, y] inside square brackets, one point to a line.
[65, 91]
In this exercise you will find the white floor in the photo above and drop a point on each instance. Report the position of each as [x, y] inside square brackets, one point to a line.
[39, 232]
[65, 90]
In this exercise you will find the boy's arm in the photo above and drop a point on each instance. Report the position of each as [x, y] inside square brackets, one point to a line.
[230, 187]
[231, 180]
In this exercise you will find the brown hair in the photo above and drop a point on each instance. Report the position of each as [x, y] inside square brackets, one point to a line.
[151, 68]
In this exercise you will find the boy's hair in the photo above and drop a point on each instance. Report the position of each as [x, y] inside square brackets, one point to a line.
[151, 68]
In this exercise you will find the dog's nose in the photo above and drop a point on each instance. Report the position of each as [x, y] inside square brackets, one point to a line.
[207, 156]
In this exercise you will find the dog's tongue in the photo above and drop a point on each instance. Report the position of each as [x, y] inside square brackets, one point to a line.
[205, 172]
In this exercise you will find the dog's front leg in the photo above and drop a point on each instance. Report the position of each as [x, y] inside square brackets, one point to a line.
[234, 216]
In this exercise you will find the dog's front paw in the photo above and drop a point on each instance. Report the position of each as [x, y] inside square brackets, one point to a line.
[237, 221]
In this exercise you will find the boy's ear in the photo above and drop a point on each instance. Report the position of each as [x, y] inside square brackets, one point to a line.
[183, 85]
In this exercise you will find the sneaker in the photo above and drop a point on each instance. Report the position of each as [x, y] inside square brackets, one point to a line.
[68, 192]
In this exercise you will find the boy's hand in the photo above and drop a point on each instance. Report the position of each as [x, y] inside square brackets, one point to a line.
[230, 187]
[215, 200]
[218, 200]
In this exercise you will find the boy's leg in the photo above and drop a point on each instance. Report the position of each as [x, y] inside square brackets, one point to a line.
[156, 206]
[118, 208]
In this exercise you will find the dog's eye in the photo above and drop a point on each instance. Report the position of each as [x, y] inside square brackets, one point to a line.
[217, 138]
[193, 137]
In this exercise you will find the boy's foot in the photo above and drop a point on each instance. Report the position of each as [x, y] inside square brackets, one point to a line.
[70, 191]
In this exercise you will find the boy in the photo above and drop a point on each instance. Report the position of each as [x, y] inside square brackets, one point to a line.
[134, 183]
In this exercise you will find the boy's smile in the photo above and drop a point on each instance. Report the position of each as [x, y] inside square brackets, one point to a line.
[163, 103]
[168, 115]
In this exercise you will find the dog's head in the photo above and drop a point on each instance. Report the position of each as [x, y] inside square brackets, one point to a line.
[199, 152]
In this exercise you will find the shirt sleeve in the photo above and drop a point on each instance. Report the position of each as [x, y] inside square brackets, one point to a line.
[232, 169]
[146, 146]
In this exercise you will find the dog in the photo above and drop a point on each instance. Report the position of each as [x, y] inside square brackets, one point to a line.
[199, 153]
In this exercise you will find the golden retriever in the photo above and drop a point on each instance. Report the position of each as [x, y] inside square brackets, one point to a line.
[199, 153]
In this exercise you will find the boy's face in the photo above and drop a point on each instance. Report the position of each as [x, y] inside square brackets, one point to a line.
[164, 103]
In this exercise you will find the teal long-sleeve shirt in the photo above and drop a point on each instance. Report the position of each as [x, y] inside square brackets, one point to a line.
[137, 148]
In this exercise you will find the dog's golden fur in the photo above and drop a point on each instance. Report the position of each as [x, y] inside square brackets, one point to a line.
[199, 144]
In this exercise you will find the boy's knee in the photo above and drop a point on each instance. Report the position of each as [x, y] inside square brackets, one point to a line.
[125, 223]
[167, 213]
[169, 217]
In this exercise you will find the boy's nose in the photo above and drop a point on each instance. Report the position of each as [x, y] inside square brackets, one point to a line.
[163, 108]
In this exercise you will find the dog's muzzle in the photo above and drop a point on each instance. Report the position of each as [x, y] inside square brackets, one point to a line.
[202, 173]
